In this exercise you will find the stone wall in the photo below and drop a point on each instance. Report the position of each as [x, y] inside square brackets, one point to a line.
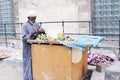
[58, 10]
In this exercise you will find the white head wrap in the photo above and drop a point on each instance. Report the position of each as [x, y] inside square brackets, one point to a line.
[32, 13]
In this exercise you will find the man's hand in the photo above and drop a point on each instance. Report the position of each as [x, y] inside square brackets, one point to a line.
[41, 30]
[34, 32]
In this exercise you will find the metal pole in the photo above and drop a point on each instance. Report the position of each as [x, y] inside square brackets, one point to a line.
[119, 38]
[89, 34]
[89, 28]
[63, 25]
[119, 42]
[5, 35]
[21, 24]
[40, 24]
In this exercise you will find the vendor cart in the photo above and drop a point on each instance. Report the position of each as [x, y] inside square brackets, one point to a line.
[54, 61]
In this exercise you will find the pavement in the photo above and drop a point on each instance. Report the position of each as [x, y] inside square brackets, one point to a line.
[113, 53]
[11, 68]
[113, 68]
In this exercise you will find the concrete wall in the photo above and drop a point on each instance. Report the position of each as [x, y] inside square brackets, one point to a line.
[58, 10]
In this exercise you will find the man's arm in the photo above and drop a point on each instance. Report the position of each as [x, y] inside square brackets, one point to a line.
[25, 34]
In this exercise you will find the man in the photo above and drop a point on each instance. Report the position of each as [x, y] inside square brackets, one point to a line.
[28, 28]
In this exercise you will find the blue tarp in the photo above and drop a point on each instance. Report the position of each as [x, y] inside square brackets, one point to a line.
[83, 41]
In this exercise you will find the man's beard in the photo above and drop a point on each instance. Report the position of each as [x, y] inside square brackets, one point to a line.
[32, 22]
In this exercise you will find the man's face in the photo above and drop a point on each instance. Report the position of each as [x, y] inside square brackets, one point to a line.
[32, 19]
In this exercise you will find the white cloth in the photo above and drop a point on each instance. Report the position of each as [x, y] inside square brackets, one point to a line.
[76, 55]
[32, 13]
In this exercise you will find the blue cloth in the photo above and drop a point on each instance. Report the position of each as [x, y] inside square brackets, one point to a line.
[83, 41]
[73, 44]
[93, 40]
[27, 29]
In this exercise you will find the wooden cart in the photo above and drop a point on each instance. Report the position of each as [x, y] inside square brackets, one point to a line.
[54, 62]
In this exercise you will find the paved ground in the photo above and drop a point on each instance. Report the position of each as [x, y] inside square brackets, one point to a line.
[114, 68]
[11, 68]
[113, 53]
[10, 71]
